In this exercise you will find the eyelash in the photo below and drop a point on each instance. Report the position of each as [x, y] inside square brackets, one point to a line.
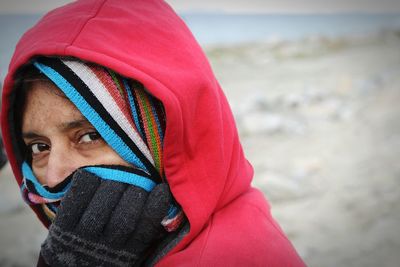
[39, 146]
[90, 135]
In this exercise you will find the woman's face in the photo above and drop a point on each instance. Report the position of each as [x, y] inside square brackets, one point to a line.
[58, 137]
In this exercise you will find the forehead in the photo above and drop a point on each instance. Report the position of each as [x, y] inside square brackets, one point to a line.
[46, 106]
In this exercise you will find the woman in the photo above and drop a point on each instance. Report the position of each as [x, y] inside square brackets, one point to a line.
[74, 127]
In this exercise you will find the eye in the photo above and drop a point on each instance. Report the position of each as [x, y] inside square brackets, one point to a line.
[89, 137]
[37, 148]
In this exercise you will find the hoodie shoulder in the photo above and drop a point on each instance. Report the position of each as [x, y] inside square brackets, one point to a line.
[242, 233]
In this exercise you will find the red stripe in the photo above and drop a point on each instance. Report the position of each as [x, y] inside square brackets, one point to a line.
[112, 88]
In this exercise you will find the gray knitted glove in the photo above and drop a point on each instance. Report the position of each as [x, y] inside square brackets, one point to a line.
[105, 223]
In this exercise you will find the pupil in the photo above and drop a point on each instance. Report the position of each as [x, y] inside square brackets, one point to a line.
[42, 147]
[94, 136]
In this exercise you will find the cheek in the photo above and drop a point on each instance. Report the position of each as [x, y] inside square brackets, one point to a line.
[56, 170]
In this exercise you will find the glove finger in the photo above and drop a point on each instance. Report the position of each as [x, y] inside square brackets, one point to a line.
[75, 201]
[149, 226]
[98, 212]
[125, 216]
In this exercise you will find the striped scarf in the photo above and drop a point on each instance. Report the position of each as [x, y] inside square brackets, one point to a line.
[129, 119]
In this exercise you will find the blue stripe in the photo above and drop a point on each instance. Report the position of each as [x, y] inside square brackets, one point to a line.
[133, 108]
[123, 177]
[173, 210]
[103, 128]
[28, 174]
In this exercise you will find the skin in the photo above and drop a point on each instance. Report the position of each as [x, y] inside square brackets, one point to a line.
[59, 138]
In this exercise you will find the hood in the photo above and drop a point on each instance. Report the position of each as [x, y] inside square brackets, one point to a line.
[145, 40]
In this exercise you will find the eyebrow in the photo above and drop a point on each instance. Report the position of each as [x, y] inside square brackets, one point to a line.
[64, 127]
[30, 135]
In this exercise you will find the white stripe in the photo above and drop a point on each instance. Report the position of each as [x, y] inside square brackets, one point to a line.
[102, 94]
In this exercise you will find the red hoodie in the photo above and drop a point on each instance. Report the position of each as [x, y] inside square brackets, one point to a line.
[209, 176]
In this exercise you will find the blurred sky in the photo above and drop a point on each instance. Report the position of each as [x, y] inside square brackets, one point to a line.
[235, 6]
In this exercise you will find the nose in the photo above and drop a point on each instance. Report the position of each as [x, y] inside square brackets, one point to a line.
[60, 165]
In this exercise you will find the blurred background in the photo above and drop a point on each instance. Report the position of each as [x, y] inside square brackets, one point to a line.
[315, 89]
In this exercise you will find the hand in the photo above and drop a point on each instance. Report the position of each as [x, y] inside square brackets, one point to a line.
[105, 223]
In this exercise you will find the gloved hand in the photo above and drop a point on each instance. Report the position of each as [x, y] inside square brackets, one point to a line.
[105, 223]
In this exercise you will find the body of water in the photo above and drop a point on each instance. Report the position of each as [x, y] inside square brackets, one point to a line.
[234, 28]
[217, 28]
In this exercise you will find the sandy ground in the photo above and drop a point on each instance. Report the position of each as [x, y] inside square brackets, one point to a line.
[320, 121]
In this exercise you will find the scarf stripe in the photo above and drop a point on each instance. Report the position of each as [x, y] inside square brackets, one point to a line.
[28, 174]
[150, 127]
[122, 176]
[139, 115]
[116, 79]
[106, 126]
[103, 95]
[112, 83]
[91, 107]
[134, 111]
[158, 123]
[130, 120]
